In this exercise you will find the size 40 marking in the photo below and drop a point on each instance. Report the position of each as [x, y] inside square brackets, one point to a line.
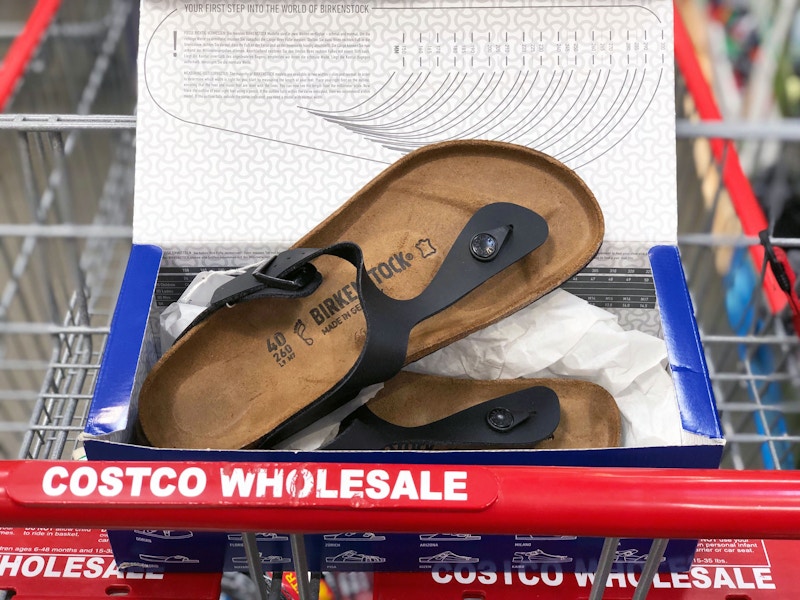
[281, 351]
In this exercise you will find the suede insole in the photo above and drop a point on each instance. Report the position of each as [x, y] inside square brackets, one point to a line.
[589, 415]
[247, 369]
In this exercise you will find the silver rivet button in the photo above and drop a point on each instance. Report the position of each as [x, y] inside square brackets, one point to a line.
[483, 246]
[500, 419]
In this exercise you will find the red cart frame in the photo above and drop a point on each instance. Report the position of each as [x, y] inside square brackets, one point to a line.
[610, 503]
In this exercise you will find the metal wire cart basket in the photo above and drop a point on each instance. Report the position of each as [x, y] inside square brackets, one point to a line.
[67, 135]
[67, 188]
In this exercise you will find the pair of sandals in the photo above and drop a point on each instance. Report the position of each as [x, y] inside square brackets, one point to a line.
[449, 239]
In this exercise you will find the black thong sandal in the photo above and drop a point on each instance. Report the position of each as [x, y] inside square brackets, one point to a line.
[426, 412]
[449, 239]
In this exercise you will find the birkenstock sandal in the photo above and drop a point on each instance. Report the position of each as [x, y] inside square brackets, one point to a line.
[449, 239]
[426, 412]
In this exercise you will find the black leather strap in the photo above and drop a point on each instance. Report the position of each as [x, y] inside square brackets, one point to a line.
[260, 281]
[496, 236]
[518, 420]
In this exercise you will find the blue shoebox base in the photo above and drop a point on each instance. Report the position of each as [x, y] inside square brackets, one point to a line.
[129, 354]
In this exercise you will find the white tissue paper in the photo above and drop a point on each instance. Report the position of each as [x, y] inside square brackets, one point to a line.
[194, 300]
[559, 335]
[562, 335]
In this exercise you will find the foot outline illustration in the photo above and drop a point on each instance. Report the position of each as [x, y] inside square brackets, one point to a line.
[173, 559]
[632, 556]
[272, 559]
[448, 537]
[351, 556]
[165, 534]
[448, 557]
[261, 536]
[354, 537]
[539, 556]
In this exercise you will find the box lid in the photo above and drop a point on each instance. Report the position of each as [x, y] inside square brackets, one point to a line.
[257, 120]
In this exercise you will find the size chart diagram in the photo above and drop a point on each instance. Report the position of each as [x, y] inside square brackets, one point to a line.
[614, 287]
[290, 105]
[566, 80]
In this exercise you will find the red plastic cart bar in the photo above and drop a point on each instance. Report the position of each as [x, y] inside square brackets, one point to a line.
[324, 497]
[21, 50]
[744, 201]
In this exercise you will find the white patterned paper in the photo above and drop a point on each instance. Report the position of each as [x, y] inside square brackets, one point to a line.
[258, 119]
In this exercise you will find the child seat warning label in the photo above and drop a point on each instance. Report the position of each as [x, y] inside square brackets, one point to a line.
[738, 553]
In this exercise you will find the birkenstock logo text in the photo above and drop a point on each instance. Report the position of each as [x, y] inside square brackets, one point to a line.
[397, 263]
[335, 307]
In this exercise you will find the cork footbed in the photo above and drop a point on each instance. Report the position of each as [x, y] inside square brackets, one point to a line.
[589, 415]
[248, 368]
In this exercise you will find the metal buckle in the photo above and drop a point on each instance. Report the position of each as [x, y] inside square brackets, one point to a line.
[295, 280]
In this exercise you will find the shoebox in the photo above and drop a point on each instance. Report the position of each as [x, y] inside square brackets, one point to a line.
[258, 120]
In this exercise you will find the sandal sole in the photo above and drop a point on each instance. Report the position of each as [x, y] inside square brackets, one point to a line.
[590, 417]
[255, 366]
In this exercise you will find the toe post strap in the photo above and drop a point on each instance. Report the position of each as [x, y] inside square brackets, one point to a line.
[495, 237]
[517, 420]
[510, 231]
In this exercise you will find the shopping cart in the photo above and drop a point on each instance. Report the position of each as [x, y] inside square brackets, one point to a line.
[66, 214]
[733, 261]
[66, 199]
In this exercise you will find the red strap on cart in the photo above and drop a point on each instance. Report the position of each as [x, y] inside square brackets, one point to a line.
[741, 193]
[325, 497]
[21, 50]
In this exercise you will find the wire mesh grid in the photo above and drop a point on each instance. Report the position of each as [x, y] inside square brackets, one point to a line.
[66, 198]
[751, 350]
